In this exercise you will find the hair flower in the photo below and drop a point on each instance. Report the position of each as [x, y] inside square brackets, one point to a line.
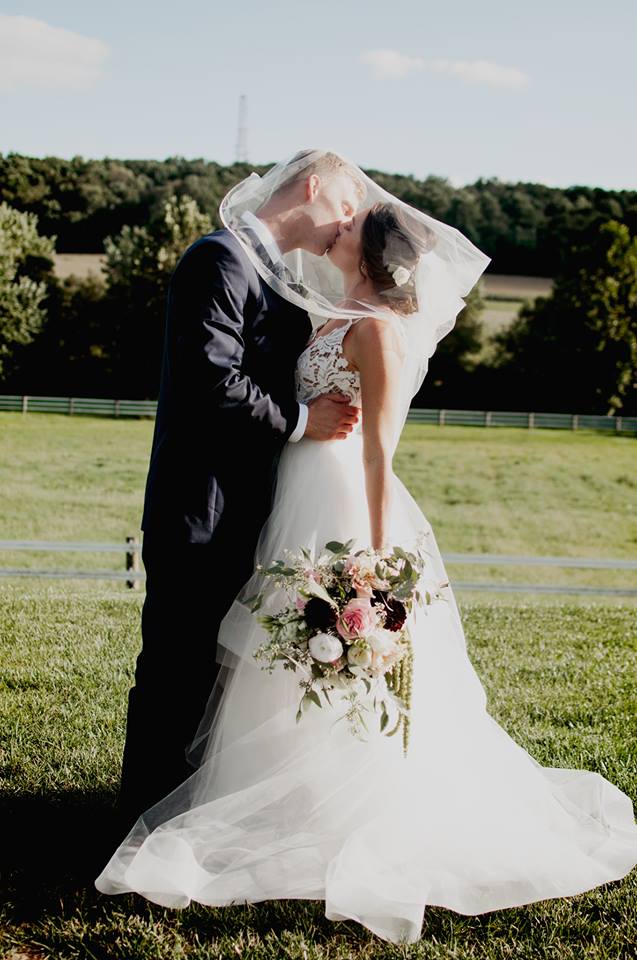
[401, 276]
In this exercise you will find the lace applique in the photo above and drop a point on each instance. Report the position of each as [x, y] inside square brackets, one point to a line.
[322, 368]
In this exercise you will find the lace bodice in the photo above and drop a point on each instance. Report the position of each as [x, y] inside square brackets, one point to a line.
[322, 368]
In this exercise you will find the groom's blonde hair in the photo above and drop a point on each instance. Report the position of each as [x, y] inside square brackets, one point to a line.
[326, 166]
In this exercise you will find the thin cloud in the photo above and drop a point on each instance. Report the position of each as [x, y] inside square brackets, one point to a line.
[393, 63]
[35, 55]
[481, 72]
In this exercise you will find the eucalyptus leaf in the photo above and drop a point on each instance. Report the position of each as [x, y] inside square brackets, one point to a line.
[335, 547]
[254, 603]
[317, 590]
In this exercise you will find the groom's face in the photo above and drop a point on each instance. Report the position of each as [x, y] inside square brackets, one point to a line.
[330, 201]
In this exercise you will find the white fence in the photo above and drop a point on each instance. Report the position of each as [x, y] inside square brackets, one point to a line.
[133, 575]
[470, 418]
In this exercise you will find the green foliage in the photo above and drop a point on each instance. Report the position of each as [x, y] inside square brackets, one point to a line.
[149, 254]
[525, 227]
[25, 265]
[139, 263]
[456, 354]
[70, 356]
[578, 347]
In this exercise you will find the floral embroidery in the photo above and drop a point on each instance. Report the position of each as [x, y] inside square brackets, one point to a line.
[322, 368]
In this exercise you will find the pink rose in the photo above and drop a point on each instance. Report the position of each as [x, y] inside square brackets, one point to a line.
[357, 619]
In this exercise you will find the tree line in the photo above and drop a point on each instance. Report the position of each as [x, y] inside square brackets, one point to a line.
[527, 228]
[574, 351]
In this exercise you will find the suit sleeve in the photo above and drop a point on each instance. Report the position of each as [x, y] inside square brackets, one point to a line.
[211, 291]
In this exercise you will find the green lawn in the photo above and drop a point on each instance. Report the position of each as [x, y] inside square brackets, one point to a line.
[560, 677]
[484, 490]
[562, 681]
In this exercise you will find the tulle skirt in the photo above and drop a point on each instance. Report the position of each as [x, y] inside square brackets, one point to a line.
[467, 820]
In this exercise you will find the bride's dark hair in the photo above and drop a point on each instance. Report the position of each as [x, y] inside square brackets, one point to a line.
[388, 245]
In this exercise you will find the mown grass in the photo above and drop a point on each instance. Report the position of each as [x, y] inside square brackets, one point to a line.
[561, 678]
[484, 490]
[562, 681]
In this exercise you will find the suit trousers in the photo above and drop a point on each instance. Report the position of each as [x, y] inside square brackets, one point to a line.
[189, 589]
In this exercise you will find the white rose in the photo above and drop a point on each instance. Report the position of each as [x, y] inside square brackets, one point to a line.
[382, 641]
[359, 656]
[325, 647]
[401, 276]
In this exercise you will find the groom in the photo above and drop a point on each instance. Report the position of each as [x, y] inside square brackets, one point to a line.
[226, 409]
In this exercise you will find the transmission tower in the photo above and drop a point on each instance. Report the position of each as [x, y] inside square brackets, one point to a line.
[241, 151]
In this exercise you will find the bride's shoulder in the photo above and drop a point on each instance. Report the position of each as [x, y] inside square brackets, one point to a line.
[378, 333]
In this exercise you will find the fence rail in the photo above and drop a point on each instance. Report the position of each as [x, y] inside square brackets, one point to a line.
[134, 576]
[98, 406]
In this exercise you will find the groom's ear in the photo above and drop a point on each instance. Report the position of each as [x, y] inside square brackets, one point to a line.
[312, 185]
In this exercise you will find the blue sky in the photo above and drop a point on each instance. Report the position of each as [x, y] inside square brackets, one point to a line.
[541, 91]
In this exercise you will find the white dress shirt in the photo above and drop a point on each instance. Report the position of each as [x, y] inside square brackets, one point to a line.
[272, 249]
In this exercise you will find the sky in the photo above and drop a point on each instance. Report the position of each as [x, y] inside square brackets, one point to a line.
[522, 91]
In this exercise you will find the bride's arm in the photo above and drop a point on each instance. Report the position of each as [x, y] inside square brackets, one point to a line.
[375, 350]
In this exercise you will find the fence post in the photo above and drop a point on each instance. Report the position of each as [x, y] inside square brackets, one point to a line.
[487, 418]
[531, 421]
[618, 425]
[25, 404]
[117, 404]
[71, 406]
[132, 561]
[441, 418]
[575, 422]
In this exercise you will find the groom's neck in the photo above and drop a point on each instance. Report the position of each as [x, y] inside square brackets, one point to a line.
[280, 231]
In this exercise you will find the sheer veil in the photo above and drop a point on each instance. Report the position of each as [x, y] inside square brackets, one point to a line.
[438, 266]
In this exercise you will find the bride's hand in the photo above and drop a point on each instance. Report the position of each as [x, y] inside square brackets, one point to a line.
[331, 417]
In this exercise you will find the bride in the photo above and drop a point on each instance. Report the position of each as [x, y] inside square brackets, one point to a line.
[467, 819]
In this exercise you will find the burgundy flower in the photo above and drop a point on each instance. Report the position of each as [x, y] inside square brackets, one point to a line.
[319, 614]
[394, 610]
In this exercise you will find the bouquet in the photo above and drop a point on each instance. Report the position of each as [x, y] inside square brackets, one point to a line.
[343, 626]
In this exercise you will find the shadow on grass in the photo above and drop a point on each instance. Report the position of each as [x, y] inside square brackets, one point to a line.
[53, 846]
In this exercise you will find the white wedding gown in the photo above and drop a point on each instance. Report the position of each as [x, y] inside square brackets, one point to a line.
[468, 820]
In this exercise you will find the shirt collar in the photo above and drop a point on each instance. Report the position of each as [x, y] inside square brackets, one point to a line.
[264, 234]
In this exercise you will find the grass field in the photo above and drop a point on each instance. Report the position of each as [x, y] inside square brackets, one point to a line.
[485, 491]
[561, 677]
[563, 683]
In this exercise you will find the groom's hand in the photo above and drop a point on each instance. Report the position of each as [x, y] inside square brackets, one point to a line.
[331, 417]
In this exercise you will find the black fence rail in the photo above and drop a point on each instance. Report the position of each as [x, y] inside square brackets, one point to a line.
[98, 406]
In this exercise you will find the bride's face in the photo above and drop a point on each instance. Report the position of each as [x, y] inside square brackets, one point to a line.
[346, 251]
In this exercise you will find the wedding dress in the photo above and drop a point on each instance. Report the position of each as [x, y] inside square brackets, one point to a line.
[467, 820]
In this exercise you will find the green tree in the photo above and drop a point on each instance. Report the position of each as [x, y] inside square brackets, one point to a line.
[456, 356]
[577, 349]
[612, 312]
[139, 263]
[26, 262]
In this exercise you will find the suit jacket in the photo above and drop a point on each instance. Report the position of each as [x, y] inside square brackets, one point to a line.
[227, 396]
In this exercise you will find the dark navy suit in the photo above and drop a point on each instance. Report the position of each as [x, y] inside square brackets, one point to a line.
[226, 408]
